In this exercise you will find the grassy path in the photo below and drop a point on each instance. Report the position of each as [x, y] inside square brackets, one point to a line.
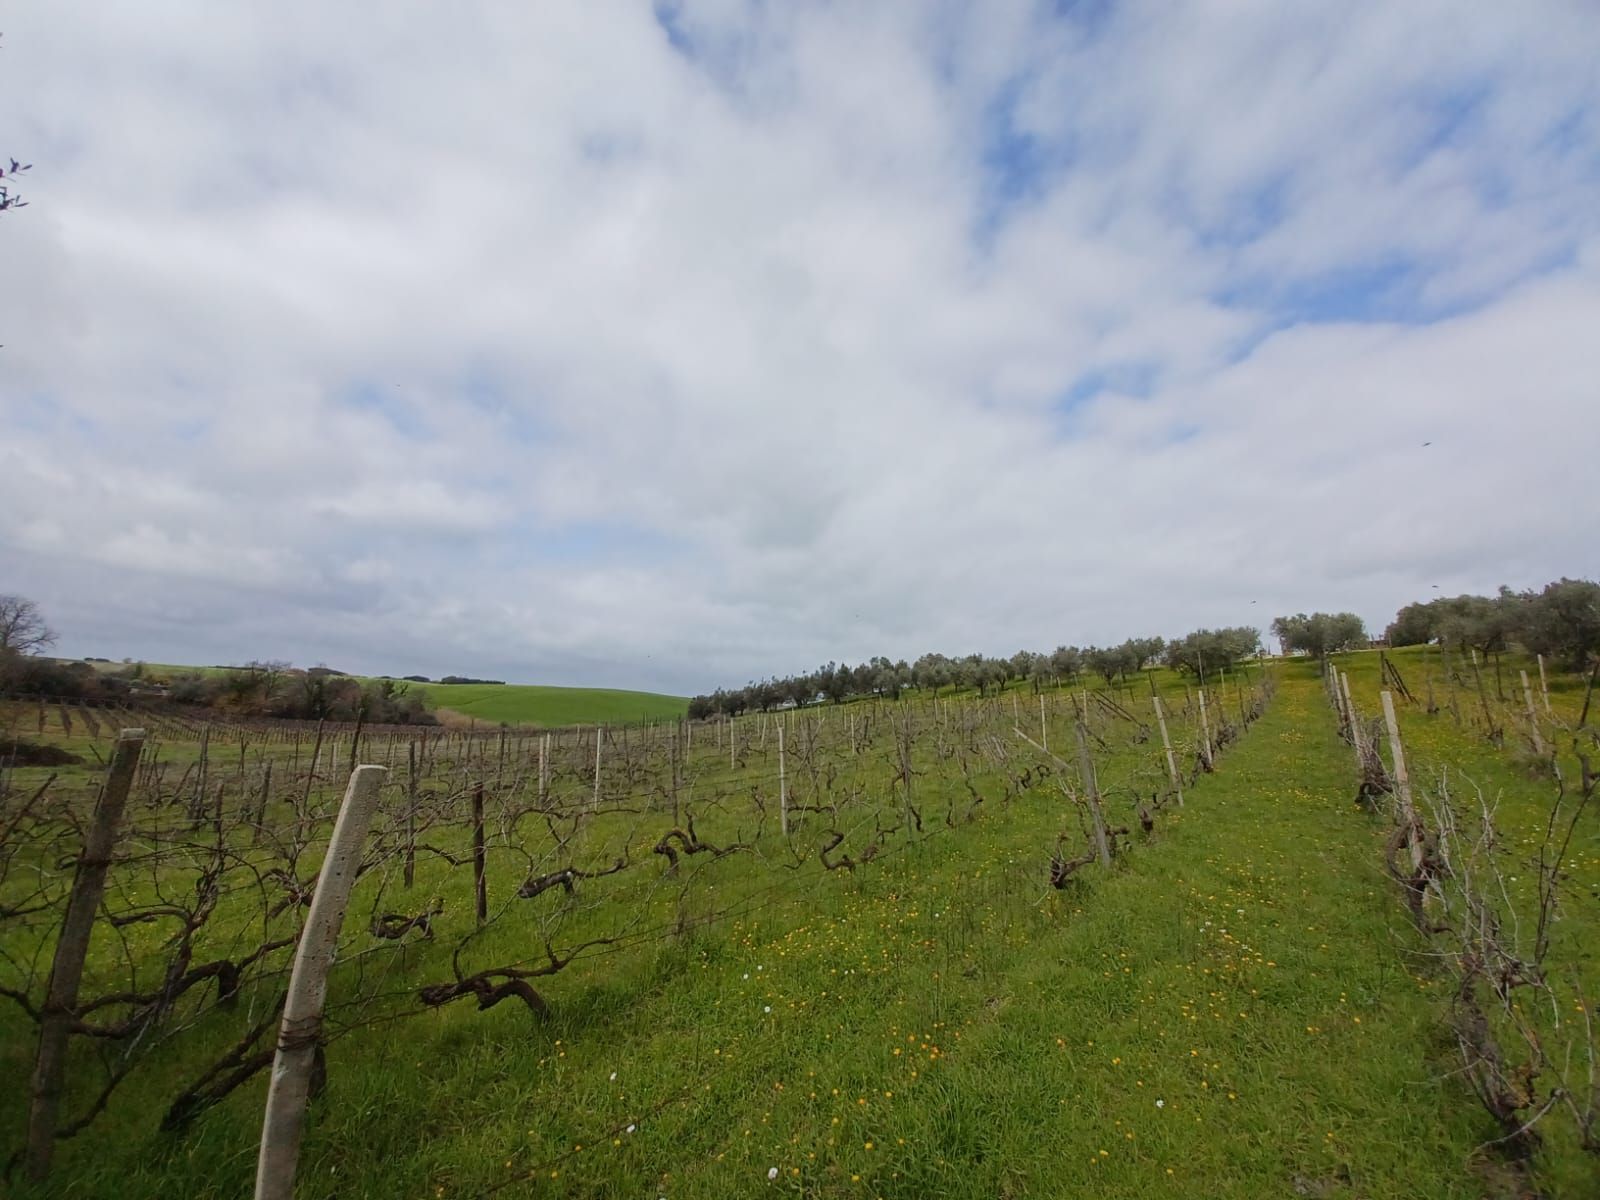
[1226, 1017]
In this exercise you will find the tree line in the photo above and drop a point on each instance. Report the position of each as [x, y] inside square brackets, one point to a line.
[275, 689]
[257, 689]
[1200, 653]
[1560, 621]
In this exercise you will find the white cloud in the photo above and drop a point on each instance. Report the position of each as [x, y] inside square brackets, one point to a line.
[519, 341]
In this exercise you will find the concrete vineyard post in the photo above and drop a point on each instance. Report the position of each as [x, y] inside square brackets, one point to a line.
[544, 768]
[1402, 779]
[1044, 733]
[783, 787]
[1166, 745]
[298, 1035]
[58, 1014]
[599, 737]
[1533, 717]
[1357, 734]
[1205, 732]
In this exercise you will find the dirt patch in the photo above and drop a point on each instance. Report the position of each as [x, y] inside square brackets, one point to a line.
[31, 754]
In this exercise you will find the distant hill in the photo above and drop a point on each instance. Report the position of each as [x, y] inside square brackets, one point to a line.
[530, 704]
[511, 703]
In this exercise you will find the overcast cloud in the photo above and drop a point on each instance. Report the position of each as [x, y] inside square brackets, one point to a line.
[669, 346]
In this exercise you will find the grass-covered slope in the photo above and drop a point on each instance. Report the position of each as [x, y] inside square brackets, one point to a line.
[526, 704]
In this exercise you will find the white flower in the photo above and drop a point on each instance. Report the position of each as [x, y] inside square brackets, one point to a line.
[631, 1128]
[747, 974]
[772, 1172]
[1161, 1103]
[613, 1077]
[766, 1008]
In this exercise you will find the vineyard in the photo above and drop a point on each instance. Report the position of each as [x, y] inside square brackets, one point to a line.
[1146, 939]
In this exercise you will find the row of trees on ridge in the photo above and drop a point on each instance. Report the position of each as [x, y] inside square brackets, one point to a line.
[1199, 653]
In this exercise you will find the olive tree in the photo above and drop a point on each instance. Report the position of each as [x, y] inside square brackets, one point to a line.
[1563, 621]
[1320, 634]
[1208, 650]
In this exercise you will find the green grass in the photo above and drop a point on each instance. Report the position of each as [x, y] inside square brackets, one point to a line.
[528, 704]
[939, 1023]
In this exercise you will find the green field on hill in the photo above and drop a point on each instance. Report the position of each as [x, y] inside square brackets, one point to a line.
[530, 704]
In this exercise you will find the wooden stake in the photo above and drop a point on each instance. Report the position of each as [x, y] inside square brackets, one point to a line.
[1166, 744]
[1091, 790]
[301, 1030]
[411, 813]
[1544, 684]
[599, 737]
[197, 805]
[261, 804]
[58, 1014]
[1533, 719]
[311, 778]
[1490, 730]
[672, 753]
[1205, 732]
[480, 882]
[1044, 733]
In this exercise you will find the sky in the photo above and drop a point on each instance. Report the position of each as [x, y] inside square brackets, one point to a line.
[673, 345]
